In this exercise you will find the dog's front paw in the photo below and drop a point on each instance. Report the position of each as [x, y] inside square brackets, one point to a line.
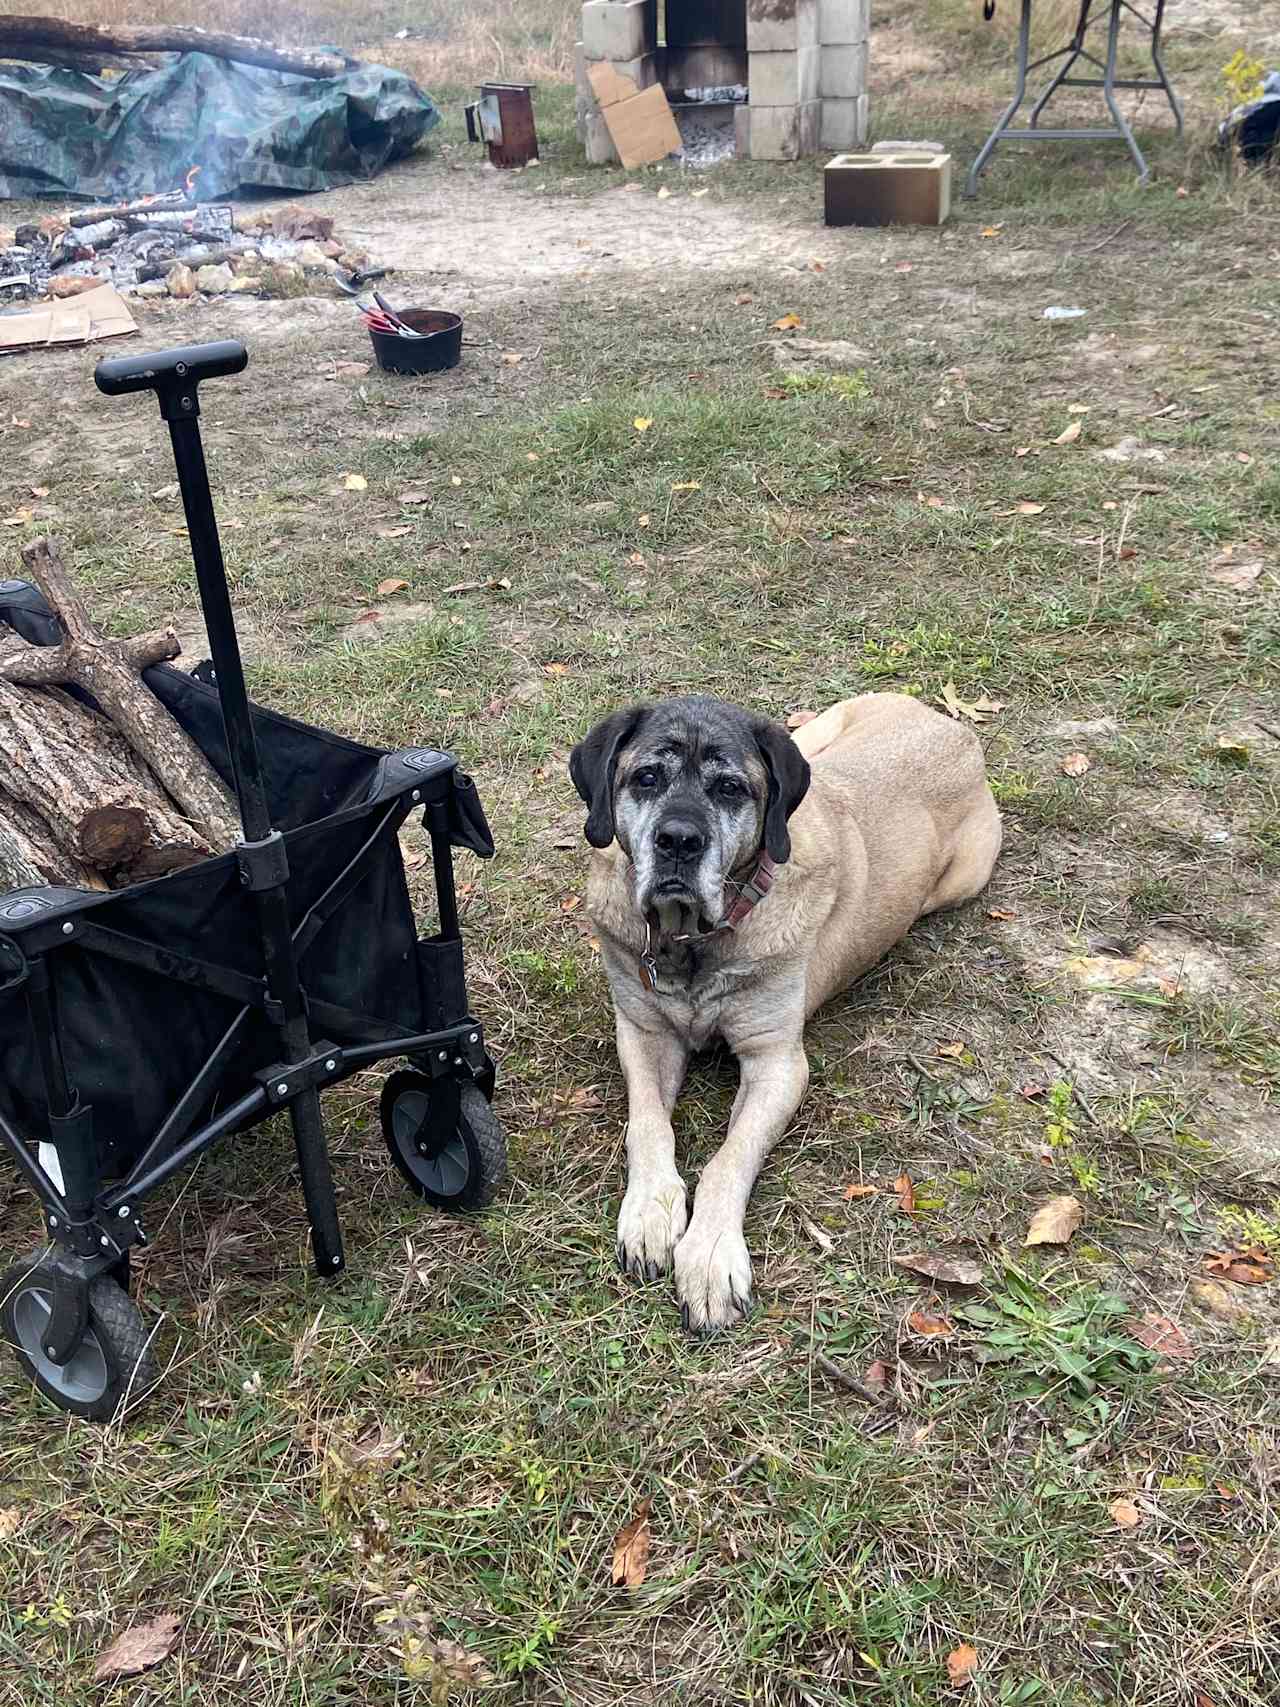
[713, 1276]
[651, 1223]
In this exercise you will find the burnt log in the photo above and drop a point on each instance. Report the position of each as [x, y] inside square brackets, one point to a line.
[35, 38]
[106, 669]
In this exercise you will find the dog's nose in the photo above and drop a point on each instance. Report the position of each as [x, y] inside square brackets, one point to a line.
[679, 838]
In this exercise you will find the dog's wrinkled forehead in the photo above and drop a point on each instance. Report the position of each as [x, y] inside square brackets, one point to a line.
[692, 735]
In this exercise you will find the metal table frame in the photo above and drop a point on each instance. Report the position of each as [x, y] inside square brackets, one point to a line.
[1091, 12]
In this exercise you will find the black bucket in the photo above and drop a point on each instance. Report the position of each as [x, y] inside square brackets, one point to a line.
[440, 348]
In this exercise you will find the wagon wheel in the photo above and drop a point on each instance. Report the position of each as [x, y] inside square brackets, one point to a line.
[445, 1140]
[113, 1361]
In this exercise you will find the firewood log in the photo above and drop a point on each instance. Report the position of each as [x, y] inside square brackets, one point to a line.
[29, 856]
[29, 37]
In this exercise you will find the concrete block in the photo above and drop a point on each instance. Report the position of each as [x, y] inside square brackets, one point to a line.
[742, 132]
[775, 132]
[843, 21]
[596, 139]
[844, 69]
[779, 79]
[619, 29]
[887, 189]
[645, 69]
[844, 121]
[781, 26]
[810, 131]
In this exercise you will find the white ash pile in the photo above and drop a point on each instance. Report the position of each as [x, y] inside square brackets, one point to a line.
[170, 246]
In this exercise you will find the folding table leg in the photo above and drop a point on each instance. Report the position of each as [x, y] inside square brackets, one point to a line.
[1020, 90]
[1109, 93]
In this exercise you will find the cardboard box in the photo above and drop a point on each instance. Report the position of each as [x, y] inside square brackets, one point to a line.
[84, 319]
[639, 121]
[887, 189]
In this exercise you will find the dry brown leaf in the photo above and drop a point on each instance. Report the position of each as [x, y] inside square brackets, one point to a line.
[1124, 1514]
[393, 585]
[962, 1662]
[853, 1191]
[992, 230]
[1000, 913]
[906, 1192]
[817, 266]
[512, 358]
[350, 370]
[920, 1323]
[414, 496]
[1163, 1335]
[631, 1548]
[824, 1241]
[1239, 574]
[642, 423]
[904, 267]
[950, 1051]
[798, 719]
[951, 1271]
[1069, 435]
[373, 1450]
[1032, 1091]
[1054, 1222]
[1247, 1274]
[555, 669]
[877, 1374]
[10, 1521]
[139, 1647]
[789, 323]
[394, 533]
[976, 710]
[39, 491]
[584, 1100]
[743, 298]
[1075, 764]
[1024, 509]
[355, 482]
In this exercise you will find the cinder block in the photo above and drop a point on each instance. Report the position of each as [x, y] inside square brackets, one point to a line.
[642, 71]
[742, 132]
[596, 139]
[843, 21]
[844, 69]
[619, 29]
[779, 79]
[887, 189]
[774, 132]
[781, 26]
[810, 126]
[844, 121]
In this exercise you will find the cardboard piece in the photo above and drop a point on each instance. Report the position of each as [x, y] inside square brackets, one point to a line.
[83, 319]
[639, 121]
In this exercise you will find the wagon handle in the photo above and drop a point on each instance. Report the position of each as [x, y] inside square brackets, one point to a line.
[174, 376]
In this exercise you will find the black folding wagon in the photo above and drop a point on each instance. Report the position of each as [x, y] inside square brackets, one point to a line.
[139, 1027]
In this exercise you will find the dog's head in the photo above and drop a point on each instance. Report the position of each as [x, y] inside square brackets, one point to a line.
[692, 790]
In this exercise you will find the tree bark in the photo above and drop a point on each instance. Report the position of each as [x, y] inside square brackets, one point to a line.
[66, 763]
[47, 666]
[104, 669]
[29, 856]
[27, 37]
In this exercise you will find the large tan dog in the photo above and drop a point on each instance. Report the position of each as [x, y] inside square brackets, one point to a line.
[743, 878]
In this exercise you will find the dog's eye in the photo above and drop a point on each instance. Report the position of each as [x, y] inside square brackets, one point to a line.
[730, 788]
[646, 778]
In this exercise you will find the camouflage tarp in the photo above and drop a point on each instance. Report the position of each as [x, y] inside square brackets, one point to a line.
[66, 134]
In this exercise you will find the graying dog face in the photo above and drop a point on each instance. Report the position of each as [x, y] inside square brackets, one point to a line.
[692, 789]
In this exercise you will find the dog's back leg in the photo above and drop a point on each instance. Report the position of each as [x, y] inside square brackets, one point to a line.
[977, 844]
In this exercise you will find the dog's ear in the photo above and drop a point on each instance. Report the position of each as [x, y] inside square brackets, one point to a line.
[788, 784]
[593, 766]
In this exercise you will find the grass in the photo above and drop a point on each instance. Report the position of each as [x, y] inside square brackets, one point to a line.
[782, 533]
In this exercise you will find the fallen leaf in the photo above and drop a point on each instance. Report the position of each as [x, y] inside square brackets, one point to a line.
[10, 1521]
[950, 1051]
[1182, 192]
[1054, 1222]
[1024, 509]
[1075, 764]
[455, 480]
[991, 230]
[1270, 1358]
[1078, 408]
[642, 423]
[39, 491]
[355, 482]
[642, 521]
[798, 719]
[855, 1190]
[817, 266]
[1000, 913]
[903, 267]
[414, 497]
[394, 585]
[582, 1100]
[687, 486]
[931, 501]
[631, 1548]
[373, 1450]
[906, 1191]
[976, 710]
[369, 616]
[1031, 1092]
[139, 1647]
[1229, 571]
[512, 357]
[1125, 1514]
[824, 1241]
[479, 586]
[555, 669]
[571, 903]
[877, 1374]
[962, 1662]
[1232, 751]
[1242, 456]
[952, 1271]
[1219, 1300]
[1162, 1335]
[351, 370]
[789, 323]
[929, 1326]
[663, 193]
[743, 298]
[394, 533]
[1246, 1274]
[1070, 434]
